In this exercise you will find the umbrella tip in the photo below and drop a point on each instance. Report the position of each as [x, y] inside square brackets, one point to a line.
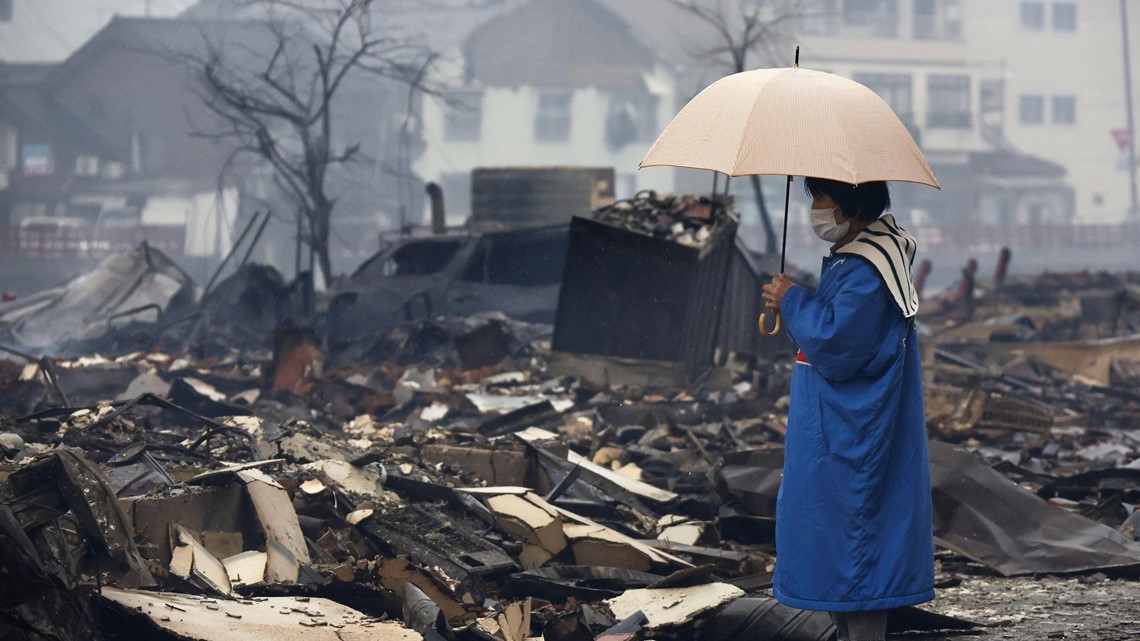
[797, 57]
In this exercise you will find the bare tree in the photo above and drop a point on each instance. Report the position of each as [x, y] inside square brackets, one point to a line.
[275, 93]
[745, 29]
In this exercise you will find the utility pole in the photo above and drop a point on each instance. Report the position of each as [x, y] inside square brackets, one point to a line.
[1133, 209]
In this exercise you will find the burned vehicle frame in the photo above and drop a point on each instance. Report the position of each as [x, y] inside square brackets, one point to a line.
[517, 272]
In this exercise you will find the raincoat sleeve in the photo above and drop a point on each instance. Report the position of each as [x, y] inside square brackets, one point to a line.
[845, 334]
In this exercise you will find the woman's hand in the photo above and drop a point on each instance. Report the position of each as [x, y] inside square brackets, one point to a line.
[774, 292]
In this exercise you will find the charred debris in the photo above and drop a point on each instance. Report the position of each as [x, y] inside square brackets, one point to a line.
[198, 467]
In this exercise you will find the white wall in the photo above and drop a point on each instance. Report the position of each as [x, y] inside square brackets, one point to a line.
[1087, 63]
[507, 138]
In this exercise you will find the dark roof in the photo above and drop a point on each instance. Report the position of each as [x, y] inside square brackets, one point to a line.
[175, 37]
[558, 43]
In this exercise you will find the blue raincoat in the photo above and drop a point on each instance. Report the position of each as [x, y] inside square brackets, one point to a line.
[853, 518]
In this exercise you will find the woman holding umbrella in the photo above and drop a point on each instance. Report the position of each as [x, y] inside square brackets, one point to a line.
[853, 518]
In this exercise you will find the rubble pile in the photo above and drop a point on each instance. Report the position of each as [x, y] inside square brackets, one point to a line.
[444, 481]
[686, 220]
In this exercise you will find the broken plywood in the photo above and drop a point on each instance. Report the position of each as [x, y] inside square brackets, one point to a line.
[396, 573]
[596, 545]
[533, 522]
[193, 562]
[348, 477]
[536, 435]
[284, 542]
[268, 619]
[512, 624]
[247, 568]
[673, 606]
[1091, 360]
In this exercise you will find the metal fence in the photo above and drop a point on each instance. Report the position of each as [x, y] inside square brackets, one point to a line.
[1040, 236]
[985, 237]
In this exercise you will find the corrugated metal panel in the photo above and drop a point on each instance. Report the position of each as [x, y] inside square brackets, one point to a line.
[706, 295]
[742, 305]
[629, 295]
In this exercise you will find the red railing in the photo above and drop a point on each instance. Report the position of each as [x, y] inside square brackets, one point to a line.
[79, 241]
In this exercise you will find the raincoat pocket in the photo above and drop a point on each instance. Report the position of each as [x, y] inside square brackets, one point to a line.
[847, 425]
[812, 421]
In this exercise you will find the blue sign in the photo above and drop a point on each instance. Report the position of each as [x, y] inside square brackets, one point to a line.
[37, 160]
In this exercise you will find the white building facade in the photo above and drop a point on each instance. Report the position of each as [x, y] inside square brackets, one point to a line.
[1042, 79]
[559, 108]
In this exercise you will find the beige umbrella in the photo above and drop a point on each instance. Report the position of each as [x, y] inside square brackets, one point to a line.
[793, 122]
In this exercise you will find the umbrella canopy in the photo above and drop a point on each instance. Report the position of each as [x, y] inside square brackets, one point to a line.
[792, 122]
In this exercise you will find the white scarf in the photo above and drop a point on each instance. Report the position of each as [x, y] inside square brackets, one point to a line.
[891, 250]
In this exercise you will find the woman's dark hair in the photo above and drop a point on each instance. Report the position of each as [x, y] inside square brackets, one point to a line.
[866, 202]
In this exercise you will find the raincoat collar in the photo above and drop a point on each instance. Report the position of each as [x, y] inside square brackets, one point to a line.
[890, 249]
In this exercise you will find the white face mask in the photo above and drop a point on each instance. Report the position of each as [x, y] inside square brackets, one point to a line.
[824, 225]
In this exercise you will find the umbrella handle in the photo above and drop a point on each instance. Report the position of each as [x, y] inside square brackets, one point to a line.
[775, 328]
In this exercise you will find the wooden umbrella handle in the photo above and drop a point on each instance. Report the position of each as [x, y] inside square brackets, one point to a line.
[775, 328]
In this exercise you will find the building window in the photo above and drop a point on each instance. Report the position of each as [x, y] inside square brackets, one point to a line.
[6, 10]
[817, 17]
[632, 118]
[1031, 110]
[1064, 16]
[993, 95]
[552, 122]
[878, 18]
[948, 102]
[1064, 110]
[1033, 16]
[463, 119]
[937, 19]
[86, 165]
[893, 88]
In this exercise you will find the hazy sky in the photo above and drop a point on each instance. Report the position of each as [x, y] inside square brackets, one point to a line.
[48, 30]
